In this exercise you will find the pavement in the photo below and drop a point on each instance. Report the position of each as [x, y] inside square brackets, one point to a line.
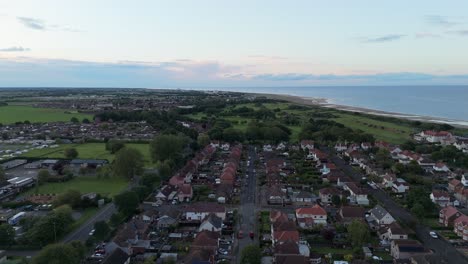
[247, 207]
[439, 246]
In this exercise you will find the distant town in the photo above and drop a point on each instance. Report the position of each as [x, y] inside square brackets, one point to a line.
[121, 176]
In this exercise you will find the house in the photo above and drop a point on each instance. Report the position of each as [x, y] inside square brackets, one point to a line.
[435, 136]
[388, 179]
[288, 252]
[276, 195]
[185, 193]
[199, 211]
[206, 240]
[276, 216]
[441, 198]
[440, 167]
[460, 227]
[366, 145]
[406, 248]
[305, 198]
[167, 193]
[393, 232]
[211, 223]
[199, 256]
[118, 256]
[400, 186]
[347, 214]
[381, 216]
[340, 147]
[167, 218]
[311, 216]
[283, 231]
[447, 215]
[357, 194]
[326, 194]
[307, 144]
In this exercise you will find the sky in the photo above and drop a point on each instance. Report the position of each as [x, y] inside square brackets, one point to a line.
[198, 43]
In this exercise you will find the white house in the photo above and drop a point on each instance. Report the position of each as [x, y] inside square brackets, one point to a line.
[307, 144]
[199, 211]
[211, 223]
[400, 186]
[310, 216]
[357, 195]
[340, 147]
[441, 198]
[381, 216]
[440, 167]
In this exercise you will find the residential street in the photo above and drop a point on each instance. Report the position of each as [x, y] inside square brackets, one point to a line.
[247, 207]
[440, 247]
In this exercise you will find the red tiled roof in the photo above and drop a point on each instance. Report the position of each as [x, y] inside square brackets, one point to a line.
[314, 210]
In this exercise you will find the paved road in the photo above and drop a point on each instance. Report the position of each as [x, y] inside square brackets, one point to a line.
[247, 208]
[440, 246]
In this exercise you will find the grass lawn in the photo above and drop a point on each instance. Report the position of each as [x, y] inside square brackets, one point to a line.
[88, 151]
[20, 113]
[326, 250]
[387, 131]
[86, 214]
[84, 184]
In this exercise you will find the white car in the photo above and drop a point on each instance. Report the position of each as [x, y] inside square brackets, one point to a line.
[433, 234]
[92, 232]
[222, 251]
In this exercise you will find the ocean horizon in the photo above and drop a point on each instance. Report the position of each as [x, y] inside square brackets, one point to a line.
[450, 102]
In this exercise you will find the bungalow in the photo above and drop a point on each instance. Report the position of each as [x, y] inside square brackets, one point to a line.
[199, 211]
[308, 217]
[393, 232]
[211, 223]
[167, 219]
[326, 194]
[167, 193]
[440, 167]
[380, 216]
[406, 248]
[448, 214]
[441, 198]
[357, 194]
[307, 144]
[347, 214]
[400, 186]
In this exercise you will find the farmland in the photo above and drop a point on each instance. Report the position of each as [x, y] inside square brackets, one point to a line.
[20, 113]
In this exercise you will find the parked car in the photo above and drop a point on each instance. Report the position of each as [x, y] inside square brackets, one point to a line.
[433, 234]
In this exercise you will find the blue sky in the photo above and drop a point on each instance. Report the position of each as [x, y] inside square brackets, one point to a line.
[166, 44]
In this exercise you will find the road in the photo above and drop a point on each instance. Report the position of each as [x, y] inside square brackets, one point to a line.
[247, 207]
[440, 246]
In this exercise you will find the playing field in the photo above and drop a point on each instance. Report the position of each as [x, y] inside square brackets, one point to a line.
[87, 151]
[84, 184]
[20, 113]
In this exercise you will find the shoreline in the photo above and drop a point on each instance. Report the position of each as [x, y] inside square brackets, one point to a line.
[324, 102]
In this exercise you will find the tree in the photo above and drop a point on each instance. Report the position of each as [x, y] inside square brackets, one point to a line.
[58, 254]
[127, 202]
[203, 139]
[251, 254]
[102, 230]
[167, 147]
[114, 146]
[43, 176]
[70, 197]
[336, 200]
[85, 121]
[150, 179]
[418, 210]
[48, 228]
[71, 153]
[2, 175]
[7, 235]
[128, 163]
[358, 233]
[164, 169]
[74, 120]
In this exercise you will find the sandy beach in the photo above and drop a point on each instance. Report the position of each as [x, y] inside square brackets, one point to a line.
[324, 102]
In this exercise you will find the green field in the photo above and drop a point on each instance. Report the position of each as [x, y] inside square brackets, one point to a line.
[382, 130]
[20, 113]
[87, 151]
[84, 184]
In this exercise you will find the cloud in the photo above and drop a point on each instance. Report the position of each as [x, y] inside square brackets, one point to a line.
[14, 49]
[386, 38]
[32, 23]
[459, 32]
[186, 74]
[426, 35]
[442, 21]
[39, 24]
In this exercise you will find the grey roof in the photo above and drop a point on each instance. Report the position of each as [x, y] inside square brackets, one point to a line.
[117, 257]
[88, 161]
[378, 212]
[214, 220]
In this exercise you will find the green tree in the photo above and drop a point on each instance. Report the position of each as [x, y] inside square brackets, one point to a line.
[167, 147]
[358, 233]
[203, 140]
[74, 120]
[336, 200]
[418, 210]
[251, 254]
[85, 121]
[58, 254]
[43, 176]
[113, 146]
[164, 169]
[71, 197]
[49, 228]
[127, 202]
[150, 179]
[2, 175]
[128, 163]
[71, 153]
[7, 235]
[102, 230]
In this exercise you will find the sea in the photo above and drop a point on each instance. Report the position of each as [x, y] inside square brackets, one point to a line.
[447, 102]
